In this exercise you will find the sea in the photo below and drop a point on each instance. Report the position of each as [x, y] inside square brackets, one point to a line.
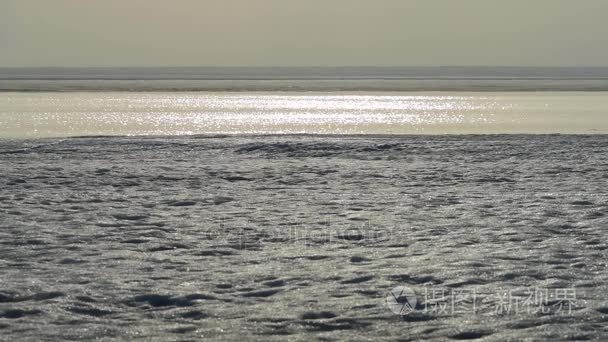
[68, 102]
[191, 210]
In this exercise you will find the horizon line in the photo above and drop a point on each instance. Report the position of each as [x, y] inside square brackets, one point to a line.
[304, 66]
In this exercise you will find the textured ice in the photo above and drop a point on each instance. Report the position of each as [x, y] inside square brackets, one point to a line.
[299, 237]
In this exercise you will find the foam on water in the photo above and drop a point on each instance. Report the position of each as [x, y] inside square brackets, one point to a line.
[55, 114]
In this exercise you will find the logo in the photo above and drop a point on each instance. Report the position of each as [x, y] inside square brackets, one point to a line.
[402, 300]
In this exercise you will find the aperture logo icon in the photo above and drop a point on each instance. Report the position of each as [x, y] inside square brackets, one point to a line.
[402, 300]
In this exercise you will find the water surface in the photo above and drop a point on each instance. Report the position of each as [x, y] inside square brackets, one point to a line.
[63, 114]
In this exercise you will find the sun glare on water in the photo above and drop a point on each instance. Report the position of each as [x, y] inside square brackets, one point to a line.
[77, 114]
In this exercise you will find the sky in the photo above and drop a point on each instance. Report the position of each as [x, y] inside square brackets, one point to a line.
[303, 33]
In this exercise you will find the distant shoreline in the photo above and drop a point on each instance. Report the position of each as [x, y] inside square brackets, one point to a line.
[305, 85]
[322, 79]
[295, 73]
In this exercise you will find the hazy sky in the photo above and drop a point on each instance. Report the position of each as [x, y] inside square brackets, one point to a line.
[303, 32]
